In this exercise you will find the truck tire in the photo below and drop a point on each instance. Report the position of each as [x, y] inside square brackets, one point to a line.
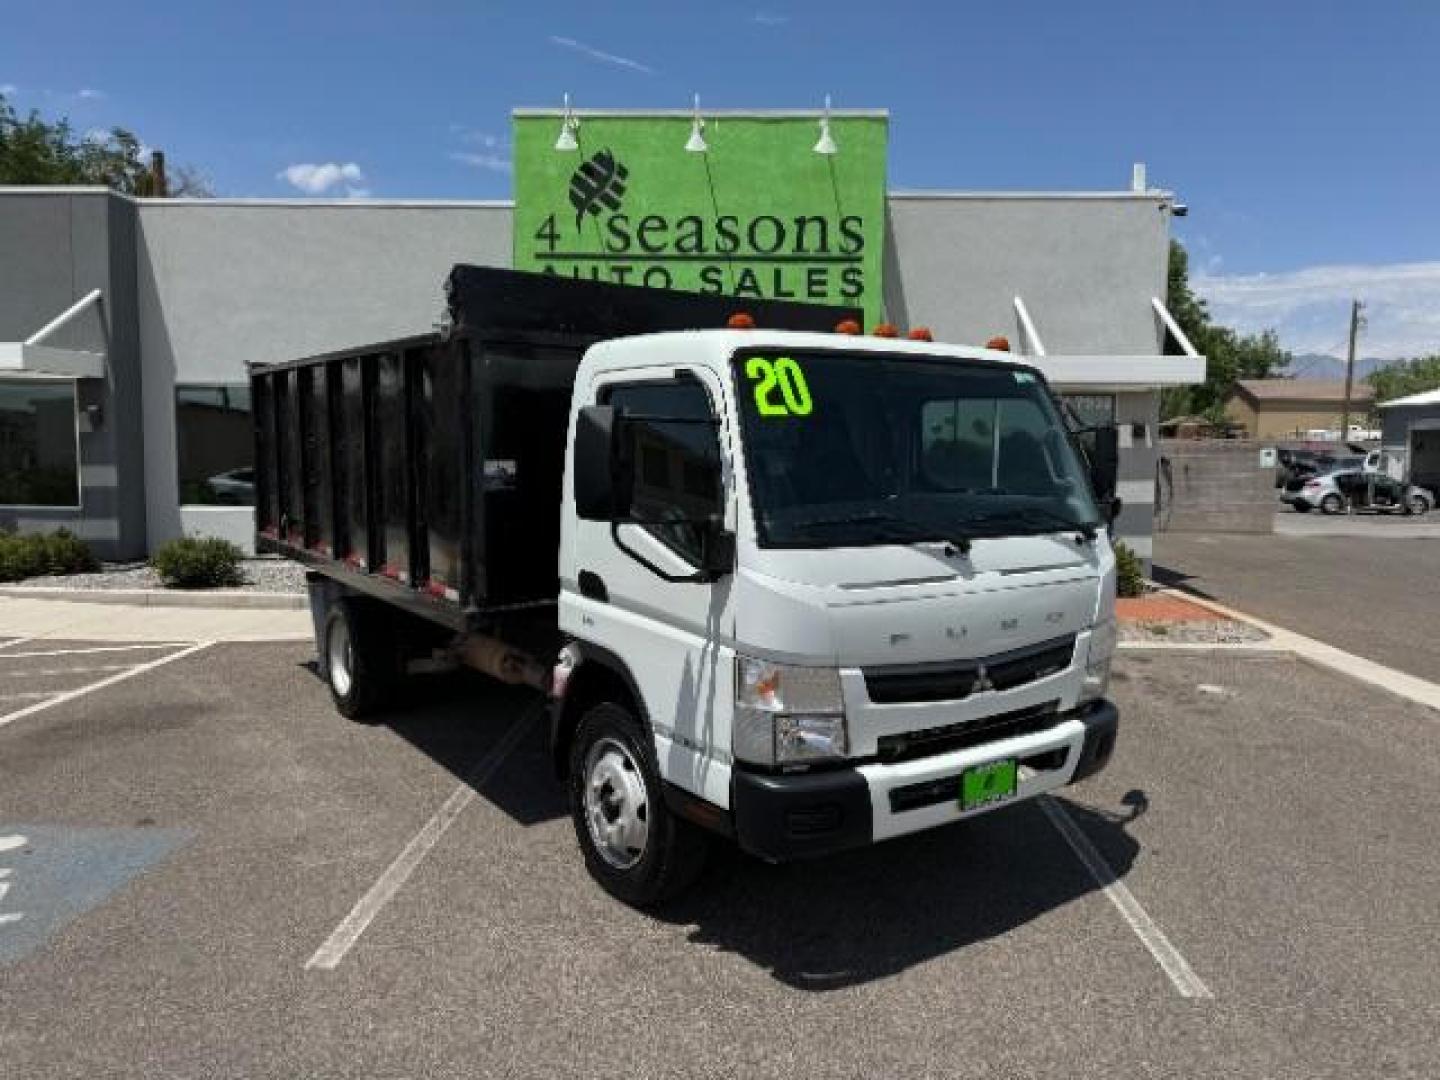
[359, 660]
[1417, 505]
[637, 850]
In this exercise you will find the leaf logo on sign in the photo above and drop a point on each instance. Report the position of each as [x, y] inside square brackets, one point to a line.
[598, 184]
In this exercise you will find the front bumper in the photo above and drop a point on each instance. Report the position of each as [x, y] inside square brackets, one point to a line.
[807, 814]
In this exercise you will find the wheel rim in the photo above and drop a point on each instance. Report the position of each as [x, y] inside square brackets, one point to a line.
[617, 804]
[340, 658]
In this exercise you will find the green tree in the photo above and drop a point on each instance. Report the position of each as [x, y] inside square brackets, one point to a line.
[34, 150]
[1229, 356]
[1401, 378]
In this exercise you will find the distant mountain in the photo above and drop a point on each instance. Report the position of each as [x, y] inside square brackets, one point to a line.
[1323, 366]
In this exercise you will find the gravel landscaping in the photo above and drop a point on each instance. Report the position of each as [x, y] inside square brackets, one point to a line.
[261, 575]
[1191, 632]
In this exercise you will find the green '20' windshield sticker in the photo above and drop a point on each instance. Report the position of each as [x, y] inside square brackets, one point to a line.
[780, 386]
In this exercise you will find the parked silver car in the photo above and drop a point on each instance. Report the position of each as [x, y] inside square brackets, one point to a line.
[1355, 489]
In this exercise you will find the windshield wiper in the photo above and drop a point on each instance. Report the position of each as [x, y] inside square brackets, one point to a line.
[1041, 517]
[910, 531]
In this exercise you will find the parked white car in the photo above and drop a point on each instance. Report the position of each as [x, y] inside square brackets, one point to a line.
[1356, 489]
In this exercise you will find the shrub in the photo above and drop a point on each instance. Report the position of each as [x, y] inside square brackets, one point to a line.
[198, 562]
[1129, 573]
[32, 554]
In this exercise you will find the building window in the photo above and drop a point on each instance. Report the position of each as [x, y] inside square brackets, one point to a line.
[1094, 410]
[39, 462]
[215, 445]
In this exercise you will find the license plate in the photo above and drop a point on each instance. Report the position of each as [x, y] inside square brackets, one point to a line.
[986, 784]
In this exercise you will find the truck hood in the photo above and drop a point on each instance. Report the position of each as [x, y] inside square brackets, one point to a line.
[914, 603]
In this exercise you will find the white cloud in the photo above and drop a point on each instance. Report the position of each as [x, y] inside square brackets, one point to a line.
[9, 89]
[1310, 307]
[493, 162]
[85, 93]
[596, 54]
[769, 18]
[325, 179]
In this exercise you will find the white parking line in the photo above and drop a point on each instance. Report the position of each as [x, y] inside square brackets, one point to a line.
[14, 641]
[128, 673]
[65, 671]
[96, 649]
[1151, 936]
[329, 955]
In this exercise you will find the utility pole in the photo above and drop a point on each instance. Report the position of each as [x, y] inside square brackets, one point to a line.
[1356, 307]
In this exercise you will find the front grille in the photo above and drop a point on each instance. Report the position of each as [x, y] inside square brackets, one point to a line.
[953, 680]
[984, 729]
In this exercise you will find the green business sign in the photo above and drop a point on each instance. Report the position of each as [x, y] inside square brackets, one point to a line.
[757, 214]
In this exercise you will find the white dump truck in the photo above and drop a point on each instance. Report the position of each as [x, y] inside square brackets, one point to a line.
[791, 588]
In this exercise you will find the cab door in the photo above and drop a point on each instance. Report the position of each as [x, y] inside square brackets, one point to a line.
[675, 637]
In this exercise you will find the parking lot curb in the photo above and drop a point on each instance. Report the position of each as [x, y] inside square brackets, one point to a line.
[1410, 687]
[234, 599]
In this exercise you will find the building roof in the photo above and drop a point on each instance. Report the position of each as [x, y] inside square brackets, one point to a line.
[1317, 391]
[1426, 397]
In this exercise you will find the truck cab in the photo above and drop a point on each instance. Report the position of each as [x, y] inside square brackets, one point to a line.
[819, 591]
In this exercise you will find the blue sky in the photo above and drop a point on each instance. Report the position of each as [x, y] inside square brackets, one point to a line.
[1305, 136]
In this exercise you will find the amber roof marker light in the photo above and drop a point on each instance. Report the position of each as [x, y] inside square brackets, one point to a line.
[741, 320]
[921, 333]
[847, 326]
[1000, 343]
[885, 329]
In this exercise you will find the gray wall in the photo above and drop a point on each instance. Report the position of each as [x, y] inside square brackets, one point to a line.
[1219, 486]
[224, 284]
[55, 248]
[1085, 266]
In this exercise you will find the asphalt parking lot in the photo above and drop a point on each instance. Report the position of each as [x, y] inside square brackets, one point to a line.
[180, 845]
[1373, 596]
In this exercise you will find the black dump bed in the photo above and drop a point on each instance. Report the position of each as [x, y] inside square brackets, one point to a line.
[427, 471]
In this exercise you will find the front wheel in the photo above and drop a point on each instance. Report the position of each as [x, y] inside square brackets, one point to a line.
[634, 846]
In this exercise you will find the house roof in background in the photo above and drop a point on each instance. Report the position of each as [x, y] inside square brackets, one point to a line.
[1427, 397]
[1320, 391]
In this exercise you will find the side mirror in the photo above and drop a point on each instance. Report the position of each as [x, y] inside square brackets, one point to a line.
[717, 552]
[1113, 508]
[601, 493]
[1104, 456]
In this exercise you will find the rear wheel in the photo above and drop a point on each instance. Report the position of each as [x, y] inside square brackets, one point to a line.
[359, 658]
[1332, 504]
[1417, 505]
[634, 846]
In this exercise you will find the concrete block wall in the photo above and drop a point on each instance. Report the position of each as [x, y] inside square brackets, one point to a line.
[1218, 485]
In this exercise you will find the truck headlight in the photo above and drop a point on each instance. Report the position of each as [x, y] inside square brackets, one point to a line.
[786, 715]
[1104, 636]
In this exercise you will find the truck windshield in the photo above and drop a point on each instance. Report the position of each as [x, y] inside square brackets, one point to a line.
[859, 448]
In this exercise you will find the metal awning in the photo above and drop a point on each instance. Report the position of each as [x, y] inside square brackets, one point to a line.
[35, 359]
[1108, 372]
